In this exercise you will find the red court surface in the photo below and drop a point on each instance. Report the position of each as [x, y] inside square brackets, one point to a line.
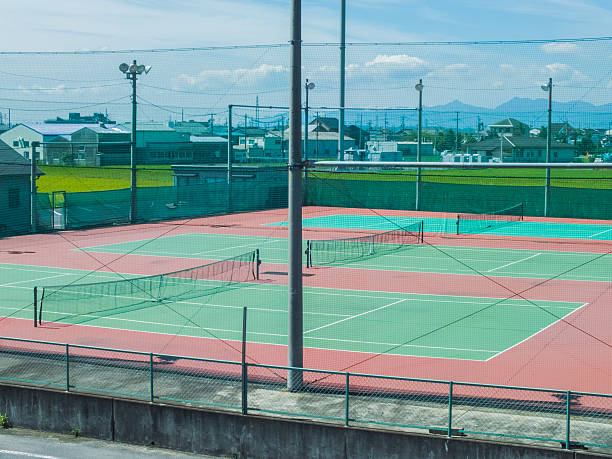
[572, 354]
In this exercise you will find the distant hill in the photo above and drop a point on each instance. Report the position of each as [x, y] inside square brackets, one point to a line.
[530, 111]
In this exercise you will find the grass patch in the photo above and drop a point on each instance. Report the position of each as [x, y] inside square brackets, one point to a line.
[81, 179]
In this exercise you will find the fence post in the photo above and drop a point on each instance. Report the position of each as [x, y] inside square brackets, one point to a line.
[567, 420]
[35, 306]
[151, 376]
[244, 364]
[67, 368]
[450, 408]
[346, 400]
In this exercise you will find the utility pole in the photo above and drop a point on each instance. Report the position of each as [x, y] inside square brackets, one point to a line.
[342, 78]
[457, 134]
[33, 188]
[295, 338]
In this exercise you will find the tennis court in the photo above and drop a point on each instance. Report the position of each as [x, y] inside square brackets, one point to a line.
[359, 321]
[527, 229]
[423, 258]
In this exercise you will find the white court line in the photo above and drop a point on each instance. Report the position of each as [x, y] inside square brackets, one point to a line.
[34, 280]
[539, 331]
[404, 345]
[355, 316]
[515, 262]
[601, 232]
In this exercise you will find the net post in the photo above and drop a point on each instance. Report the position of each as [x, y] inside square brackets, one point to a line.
[422, 231]
[523, 210]
[308, 264]
[35, 306]
[457, 224]
[257, 263]
[371, 245]
[244, 366]
[40, 307]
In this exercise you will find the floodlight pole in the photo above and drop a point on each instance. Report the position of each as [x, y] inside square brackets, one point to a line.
[131, 73]
[295, 337]
[548, 88]
[419, 88]
[133, 183]
[342, 78]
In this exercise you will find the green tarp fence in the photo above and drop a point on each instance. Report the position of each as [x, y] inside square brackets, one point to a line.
[567, 202]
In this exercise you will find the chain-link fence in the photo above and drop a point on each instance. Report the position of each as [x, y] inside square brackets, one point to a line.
[441, 407]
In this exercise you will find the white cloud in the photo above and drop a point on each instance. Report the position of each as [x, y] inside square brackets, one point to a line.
[224, 77]
[401, 60]
[562, 47]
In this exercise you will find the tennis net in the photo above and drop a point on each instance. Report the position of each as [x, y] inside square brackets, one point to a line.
[72, 303]
[326, 252]
[468, 223]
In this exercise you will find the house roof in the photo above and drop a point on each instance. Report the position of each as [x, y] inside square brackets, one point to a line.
[330, 122]
[12, 163]
[520, 142]
[209, 139]
[146, 127]
[112, 129]
[507, 122]
[54, 129]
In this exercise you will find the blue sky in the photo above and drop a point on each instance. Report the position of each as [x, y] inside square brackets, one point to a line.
[120, 24]
[35, 86]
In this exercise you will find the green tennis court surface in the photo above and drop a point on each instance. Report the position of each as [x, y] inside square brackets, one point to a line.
[363, 321]
[417, 258]
[449, 226]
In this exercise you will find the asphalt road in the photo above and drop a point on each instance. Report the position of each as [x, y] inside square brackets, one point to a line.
[31, 444]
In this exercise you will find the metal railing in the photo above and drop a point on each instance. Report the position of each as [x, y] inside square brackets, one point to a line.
[449, 408]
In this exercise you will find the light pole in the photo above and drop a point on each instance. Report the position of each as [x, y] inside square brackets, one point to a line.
[131, 72]
[548, 88]
[308, 86]
[419, 88]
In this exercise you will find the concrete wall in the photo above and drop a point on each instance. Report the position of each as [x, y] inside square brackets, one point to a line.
[231, 434]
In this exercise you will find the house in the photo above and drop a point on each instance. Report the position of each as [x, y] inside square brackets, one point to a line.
[101, 145]
[196, 128]
[15, 173]
[322, 144]
[508, 127]
[324, 124]
[54, 140]
[522, 149]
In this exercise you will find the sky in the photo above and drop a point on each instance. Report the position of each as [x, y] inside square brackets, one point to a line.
[65, 25]
[35, 86]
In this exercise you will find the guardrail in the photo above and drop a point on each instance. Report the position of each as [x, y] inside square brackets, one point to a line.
[566, 418]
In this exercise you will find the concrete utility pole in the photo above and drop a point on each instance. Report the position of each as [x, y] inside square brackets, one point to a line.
[295, 331]
[342, 78]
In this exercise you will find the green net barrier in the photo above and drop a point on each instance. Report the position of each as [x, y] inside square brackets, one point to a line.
[75, 303]
[326, 252]
[568, 198]
[97, 208]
